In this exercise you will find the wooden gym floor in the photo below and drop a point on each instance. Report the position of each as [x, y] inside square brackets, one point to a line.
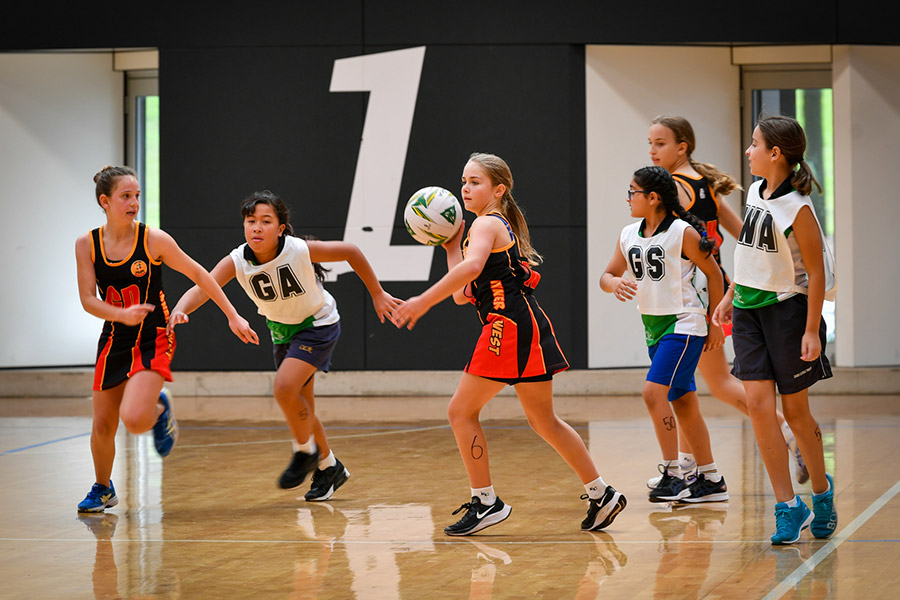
[209, 522]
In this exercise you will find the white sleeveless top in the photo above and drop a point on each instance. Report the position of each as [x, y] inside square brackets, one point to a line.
[285, 289]
[767, 259]
[667, 283]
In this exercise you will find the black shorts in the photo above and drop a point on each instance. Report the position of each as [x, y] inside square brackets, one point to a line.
[767, 344]
[314, 345]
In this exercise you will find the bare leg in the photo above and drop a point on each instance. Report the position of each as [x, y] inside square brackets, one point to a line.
[292, 376]
[663, 419]
[761, 405]
[103, 431]
[140, 406]
[471, 395]
[809, 437]
[691, 422]
[713, 366]
[318, 429]
[537, 401]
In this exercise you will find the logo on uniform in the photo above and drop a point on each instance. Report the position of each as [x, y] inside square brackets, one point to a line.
[138, 268]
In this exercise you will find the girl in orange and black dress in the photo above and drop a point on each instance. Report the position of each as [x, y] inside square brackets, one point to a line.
[517, 345]
[122, 261]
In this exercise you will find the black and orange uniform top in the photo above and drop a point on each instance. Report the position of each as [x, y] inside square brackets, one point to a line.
[517, 341]
[123, 350]
[704, 205]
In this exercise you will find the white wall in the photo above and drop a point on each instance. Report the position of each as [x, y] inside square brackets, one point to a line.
[626, 86]
[61, 120]
[866, 84]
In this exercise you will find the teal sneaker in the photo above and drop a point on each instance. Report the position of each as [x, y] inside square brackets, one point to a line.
[789, 522]
[825, 521]
[165, 431]
[100, 497]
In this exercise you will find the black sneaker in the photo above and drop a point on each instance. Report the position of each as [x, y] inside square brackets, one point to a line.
[603, 510]
[478, 516]
[703, 490]
[669, 488]
[302, 464]
[325, 482]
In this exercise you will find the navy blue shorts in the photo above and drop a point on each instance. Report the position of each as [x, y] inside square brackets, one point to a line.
[674, 359]
[314, 345]
[767, 344]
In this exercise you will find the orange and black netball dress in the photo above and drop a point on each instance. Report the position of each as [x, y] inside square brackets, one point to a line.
[517, 341]
[123, 350]
[705, 205]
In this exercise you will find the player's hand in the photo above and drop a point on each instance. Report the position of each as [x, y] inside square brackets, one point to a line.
[625, 289]
[714, 339]
[241, 328]
[409, 312]
[385, 305]
[810, 346]
[724, 311]
[176, 318]
[456, 240]
[134, 314]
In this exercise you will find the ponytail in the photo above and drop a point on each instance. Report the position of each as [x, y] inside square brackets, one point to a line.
[787, 134]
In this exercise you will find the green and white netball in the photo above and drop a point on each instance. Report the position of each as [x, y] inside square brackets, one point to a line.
[432, 215]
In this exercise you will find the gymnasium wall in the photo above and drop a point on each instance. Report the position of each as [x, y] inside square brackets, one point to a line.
[283, 96]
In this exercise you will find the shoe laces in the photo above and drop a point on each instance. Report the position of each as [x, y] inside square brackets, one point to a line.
[782, 518]
[467, 506]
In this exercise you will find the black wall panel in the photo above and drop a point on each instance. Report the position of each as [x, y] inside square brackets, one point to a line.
[238, 120]
[203, 23]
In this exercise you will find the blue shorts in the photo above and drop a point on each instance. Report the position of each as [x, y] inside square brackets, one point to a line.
[674, 359]
[314, 345]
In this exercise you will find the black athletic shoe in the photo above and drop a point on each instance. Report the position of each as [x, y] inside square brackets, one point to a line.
[669, 488]
[478, 516]
[325, 482]
[302, 464]
[704, 490]
[603, 510]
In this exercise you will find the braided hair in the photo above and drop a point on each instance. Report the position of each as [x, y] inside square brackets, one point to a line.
[657, 179]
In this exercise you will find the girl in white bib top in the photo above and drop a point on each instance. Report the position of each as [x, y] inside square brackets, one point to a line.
[282, 275]
[669, 259]
[775, 302]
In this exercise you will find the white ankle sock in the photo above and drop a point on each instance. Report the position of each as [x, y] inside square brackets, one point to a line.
[486, 495]
[709, 471]
[308, 447]
[328, 461]
[793, 502]
[686, 461]
[595, 488]
[673, 468]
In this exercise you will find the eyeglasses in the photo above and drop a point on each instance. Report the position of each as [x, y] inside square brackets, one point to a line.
[631, 193]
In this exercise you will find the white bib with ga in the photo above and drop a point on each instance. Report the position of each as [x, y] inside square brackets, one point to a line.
[285, 289]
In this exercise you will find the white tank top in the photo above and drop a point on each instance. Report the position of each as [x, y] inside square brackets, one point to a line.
[668, 284]
[285, 289]
[767, 259]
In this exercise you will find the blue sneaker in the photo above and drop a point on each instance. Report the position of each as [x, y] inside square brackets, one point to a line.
[165, 431]
[825, 521]
[789, 522]
[99, 498]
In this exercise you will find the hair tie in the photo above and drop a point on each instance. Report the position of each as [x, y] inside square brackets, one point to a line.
[702, 234]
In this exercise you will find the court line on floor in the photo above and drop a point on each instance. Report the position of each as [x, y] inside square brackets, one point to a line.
[788, 583]
[245, 443]
[71, 437]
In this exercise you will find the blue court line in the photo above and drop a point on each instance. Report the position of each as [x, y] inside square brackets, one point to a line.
[71, 437]
[789, 582]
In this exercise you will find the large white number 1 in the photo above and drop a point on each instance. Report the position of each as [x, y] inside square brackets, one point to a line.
[392, 78]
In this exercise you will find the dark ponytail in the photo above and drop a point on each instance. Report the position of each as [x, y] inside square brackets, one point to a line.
[657, 179]
[787, 134]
